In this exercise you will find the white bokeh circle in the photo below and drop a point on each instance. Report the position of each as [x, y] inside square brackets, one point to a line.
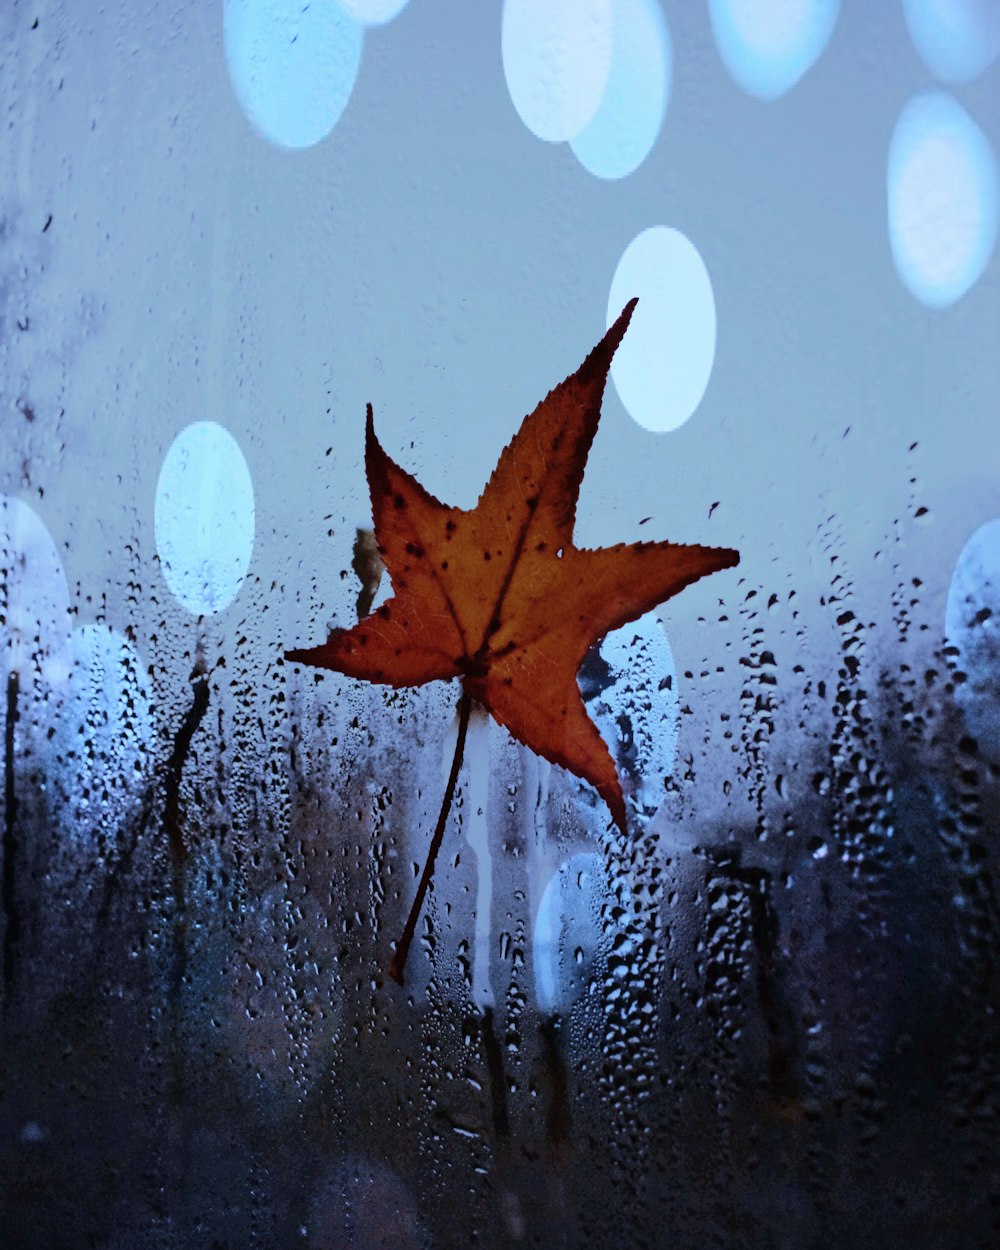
[956, 39]
[104, 734]
[204, 516]
[567, 930]
[34, 598]
[768, 45]
[620, 135]
[664, 363]
[556, 59]
[630, 692]
[293, 66]
[373, 12]
[972, 624]
[942, 199]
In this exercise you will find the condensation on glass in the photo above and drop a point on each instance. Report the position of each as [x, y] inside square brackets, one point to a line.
[767, 1017]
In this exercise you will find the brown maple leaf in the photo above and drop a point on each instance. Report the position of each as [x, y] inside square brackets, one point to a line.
[498, 595]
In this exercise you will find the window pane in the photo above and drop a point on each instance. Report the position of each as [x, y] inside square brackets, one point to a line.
[753, 1005]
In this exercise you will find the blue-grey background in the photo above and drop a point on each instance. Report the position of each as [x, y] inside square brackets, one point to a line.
[433, 256]
[830, 790]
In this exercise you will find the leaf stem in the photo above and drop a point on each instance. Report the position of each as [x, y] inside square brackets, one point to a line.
[403, 946]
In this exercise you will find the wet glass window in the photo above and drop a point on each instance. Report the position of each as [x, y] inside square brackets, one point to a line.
[560, 908]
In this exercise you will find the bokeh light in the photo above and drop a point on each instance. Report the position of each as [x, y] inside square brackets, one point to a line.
[767, 45]
[373, 12]
[622, 132]
[556, 59]
[204, 517]
[631, 694]
[663, 365]
[363, 1204]
[34, 598]
[638, 710]
[104, 732]
[567, 930]
[972, 624]
[292, 66]
[942, 199]
[956, 39]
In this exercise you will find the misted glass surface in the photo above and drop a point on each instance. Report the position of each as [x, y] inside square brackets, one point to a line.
[766, 1016]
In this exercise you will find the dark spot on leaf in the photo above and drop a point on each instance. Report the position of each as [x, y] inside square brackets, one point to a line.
[487, 556]
[416, 550]
[398, 500]
[541, 546]
[444, 564]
